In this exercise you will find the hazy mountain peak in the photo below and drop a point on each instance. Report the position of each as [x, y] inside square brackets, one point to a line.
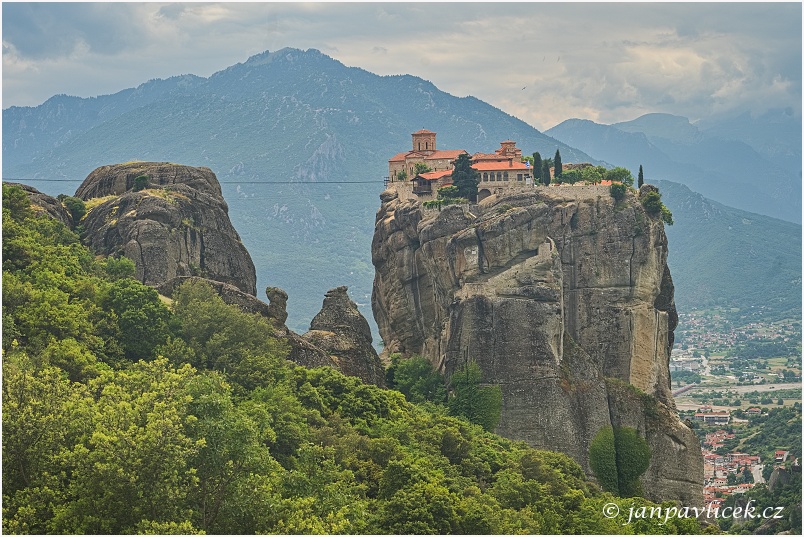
[668, 126]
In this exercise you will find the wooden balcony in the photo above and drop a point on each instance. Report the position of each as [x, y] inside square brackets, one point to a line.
[423, 189]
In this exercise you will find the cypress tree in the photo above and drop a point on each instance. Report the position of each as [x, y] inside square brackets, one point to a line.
[545, 173]
[557, 165]
[465, 178]
[641, 179]
[537, 167]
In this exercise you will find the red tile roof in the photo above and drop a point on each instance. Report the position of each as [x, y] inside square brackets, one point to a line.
[432, 176]
[423, 131]
[501, 166]
[448, 154]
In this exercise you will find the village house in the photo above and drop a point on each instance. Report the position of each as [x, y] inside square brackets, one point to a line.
[721, 418]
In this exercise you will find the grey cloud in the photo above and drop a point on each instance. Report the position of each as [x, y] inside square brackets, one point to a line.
[53, 30]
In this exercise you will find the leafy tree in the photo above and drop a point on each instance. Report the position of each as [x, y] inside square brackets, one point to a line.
[481, 405]
[641, 178]
[117, 268]
[545, 173]
[417, 379]
[75, 206]
[593, 174]
[465, 178]
[141, 318]
[571, 177]
[223, 338]
[620, 175]
[448, 193]
[401, 175]
[633, 458]
[537, 167]
[603, 460]
[421, 167]
[16, 201]
[617, 191]
[618, 456]
[652, 202]
[558, 170]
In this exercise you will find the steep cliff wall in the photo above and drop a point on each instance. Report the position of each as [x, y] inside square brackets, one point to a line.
[557, 294]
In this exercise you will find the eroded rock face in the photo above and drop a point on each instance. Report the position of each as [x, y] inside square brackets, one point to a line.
[554, 293]
[177, 226]
[342, 331]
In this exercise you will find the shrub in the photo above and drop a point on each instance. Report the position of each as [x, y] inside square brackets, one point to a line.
[140, 183]
[76, 207]
[617, 191]
[618, 456]
[652, 202]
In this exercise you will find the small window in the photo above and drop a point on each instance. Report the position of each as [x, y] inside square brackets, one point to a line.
[505, 176]
[499, 176]
[519, 177]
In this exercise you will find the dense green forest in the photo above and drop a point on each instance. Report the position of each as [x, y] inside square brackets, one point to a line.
[124, 412]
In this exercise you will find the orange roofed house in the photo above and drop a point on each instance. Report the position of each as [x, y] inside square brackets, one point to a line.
[497, 171]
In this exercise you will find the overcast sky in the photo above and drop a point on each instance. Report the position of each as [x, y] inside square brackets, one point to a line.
[541, 62]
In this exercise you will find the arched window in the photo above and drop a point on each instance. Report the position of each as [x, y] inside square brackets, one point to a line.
[499, 176]
[505, 176]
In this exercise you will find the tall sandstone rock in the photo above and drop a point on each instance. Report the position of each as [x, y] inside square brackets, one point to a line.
[564, 300]
[177, 225]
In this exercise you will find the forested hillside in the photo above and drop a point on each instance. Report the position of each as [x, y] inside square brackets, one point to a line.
[124, 412]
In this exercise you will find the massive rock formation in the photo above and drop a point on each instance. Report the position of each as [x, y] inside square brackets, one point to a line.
[342, 331]
[564, 300]
[176, 223]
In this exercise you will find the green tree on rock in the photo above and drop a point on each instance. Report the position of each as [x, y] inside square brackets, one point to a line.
[465, 177]
[537, 167]
[558, 169]
[641, 177]
[480, 405]
[545, 173]
[618, 456]
[620, 175]
[421, 167]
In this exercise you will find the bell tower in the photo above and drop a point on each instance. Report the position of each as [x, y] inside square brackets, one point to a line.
[424, 141]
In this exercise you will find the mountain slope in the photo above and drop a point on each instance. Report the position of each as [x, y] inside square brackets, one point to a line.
[731, 258]
[670, 148]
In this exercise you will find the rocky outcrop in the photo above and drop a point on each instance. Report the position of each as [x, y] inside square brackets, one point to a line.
[562, 297]
[229, 293]
[342, 331]
[176, 225]
[43, 204]
[339, 335]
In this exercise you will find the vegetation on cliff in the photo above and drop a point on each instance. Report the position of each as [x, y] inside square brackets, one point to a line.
[203, 426]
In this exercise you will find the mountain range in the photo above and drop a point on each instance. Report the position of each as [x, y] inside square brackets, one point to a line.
[301, 142]
[749, 163]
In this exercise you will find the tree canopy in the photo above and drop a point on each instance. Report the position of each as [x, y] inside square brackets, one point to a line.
[465, 178]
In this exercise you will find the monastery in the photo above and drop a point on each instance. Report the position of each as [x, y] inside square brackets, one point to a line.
[500, 171]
